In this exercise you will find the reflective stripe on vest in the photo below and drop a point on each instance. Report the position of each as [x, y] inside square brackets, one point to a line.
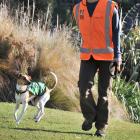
[96, 51]
[107, 28]
[108, 49]
[77, 13]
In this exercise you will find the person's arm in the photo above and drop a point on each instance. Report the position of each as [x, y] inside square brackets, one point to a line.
[116, 37]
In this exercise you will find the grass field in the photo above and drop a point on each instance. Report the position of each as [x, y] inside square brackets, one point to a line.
[58, 125]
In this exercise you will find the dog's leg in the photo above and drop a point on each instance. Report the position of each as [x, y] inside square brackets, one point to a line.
[42, 101]
[36, 103]
[24, 99]
[18, 98]
[38, 112]
[25, 105]
[41, 112]
[16, 110]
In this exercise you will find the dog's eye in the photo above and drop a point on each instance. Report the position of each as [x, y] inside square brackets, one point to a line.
[24, 79]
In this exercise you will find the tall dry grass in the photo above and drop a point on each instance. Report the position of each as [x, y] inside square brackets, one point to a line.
[30, 44]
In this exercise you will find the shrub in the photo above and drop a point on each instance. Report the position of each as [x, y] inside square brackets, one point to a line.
[129, 95]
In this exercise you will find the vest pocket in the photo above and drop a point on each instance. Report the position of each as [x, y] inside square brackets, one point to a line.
[96, 17]
[98, 20]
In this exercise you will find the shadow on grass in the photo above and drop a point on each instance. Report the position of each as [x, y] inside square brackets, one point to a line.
[54, 131]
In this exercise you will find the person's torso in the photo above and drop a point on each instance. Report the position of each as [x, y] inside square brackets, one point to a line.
[95, 25]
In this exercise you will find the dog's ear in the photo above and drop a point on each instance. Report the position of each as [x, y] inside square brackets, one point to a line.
[29, 71]
[27, 77]
[19, 75]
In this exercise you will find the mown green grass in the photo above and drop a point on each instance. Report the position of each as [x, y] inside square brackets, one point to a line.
[58, 125]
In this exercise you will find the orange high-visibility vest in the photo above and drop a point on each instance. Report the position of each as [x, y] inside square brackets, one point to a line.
[96, 31]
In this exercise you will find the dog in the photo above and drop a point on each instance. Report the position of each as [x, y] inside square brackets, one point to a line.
[36, 92]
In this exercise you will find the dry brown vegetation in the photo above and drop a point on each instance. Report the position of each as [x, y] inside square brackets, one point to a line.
[25, 44]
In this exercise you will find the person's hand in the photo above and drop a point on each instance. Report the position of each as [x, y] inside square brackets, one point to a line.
[115, 68]
[119, 63]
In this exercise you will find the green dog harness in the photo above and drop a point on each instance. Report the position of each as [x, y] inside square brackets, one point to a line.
[37, 88]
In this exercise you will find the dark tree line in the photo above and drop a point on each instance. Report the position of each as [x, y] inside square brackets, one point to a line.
[63, 8]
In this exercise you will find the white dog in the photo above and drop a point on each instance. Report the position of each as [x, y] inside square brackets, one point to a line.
[26, 91]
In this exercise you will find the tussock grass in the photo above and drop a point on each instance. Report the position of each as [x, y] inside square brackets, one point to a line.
[29, 44]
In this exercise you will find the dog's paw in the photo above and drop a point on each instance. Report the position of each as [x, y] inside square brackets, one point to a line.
[17, 122]
[37, 120]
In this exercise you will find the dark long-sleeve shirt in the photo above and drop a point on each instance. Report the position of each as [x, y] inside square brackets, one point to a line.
[115, 28]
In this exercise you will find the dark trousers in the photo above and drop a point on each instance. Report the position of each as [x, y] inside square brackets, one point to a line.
[93, 112]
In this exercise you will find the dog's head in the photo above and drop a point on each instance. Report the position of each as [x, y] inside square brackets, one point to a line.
[22, 83]
[23, 79]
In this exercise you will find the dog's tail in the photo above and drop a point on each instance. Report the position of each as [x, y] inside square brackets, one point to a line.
[56, 80]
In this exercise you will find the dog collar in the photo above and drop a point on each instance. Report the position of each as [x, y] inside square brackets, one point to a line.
[21, 92]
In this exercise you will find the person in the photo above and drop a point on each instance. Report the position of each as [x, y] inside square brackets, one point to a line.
[98, 22]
